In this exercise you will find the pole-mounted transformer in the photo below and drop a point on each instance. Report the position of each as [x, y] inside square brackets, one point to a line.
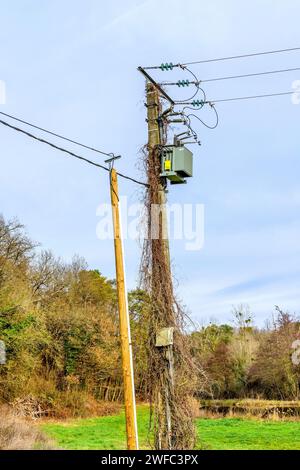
[176, 163]
[176, 159]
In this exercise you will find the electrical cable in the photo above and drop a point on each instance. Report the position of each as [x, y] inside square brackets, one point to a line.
[178, 103]
[239, 98]
[194, 109]
[111, 167]
[189, 126]
[212, 102]
[238, 76]
[254, 54]
[55, 135]
[72, 154]
[204, 123]
[249, 75]
[197, 84]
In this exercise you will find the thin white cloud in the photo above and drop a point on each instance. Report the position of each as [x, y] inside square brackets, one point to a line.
[124, 17]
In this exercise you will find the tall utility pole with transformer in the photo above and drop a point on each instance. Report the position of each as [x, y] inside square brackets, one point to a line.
[173, 163]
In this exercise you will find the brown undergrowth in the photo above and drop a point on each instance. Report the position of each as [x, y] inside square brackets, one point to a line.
[20, 434]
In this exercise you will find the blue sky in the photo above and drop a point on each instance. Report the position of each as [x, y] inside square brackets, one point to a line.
[71, 67]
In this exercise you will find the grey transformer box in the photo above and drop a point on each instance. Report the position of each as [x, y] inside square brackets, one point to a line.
[176, 163]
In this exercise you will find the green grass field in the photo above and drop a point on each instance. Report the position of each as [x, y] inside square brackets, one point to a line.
[108, 432]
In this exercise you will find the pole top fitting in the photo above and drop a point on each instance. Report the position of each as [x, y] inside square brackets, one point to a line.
[111, 160]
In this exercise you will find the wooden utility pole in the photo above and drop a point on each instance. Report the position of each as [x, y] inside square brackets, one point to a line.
[127, 363]
[154, 140]
[163, 431]
[153, 116]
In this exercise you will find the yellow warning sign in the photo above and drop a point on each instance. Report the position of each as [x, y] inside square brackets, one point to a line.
[167, 165]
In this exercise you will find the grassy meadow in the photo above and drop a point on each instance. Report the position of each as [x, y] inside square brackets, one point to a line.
[108, 432]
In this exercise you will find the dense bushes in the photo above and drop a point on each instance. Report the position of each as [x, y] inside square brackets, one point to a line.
[59, 325]
[242, 361]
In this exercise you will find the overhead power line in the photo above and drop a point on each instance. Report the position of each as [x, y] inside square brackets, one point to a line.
[197, 105]
[231, 77]
[239, 98]
[271, 72]
[72, 154]
[55, 134]
[170, 66]
[243, 56]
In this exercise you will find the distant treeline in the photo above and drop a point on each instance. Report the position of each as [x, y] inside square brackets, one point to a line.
[59, 324]
[241, 361]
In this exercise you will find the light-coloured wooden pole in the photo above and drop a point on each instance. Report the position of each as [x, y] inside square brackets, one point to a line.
[126, 347]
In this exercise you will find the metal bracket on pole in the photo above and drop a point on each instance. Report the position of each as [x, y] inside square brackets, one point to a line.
[157, 86]
[111, 160]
